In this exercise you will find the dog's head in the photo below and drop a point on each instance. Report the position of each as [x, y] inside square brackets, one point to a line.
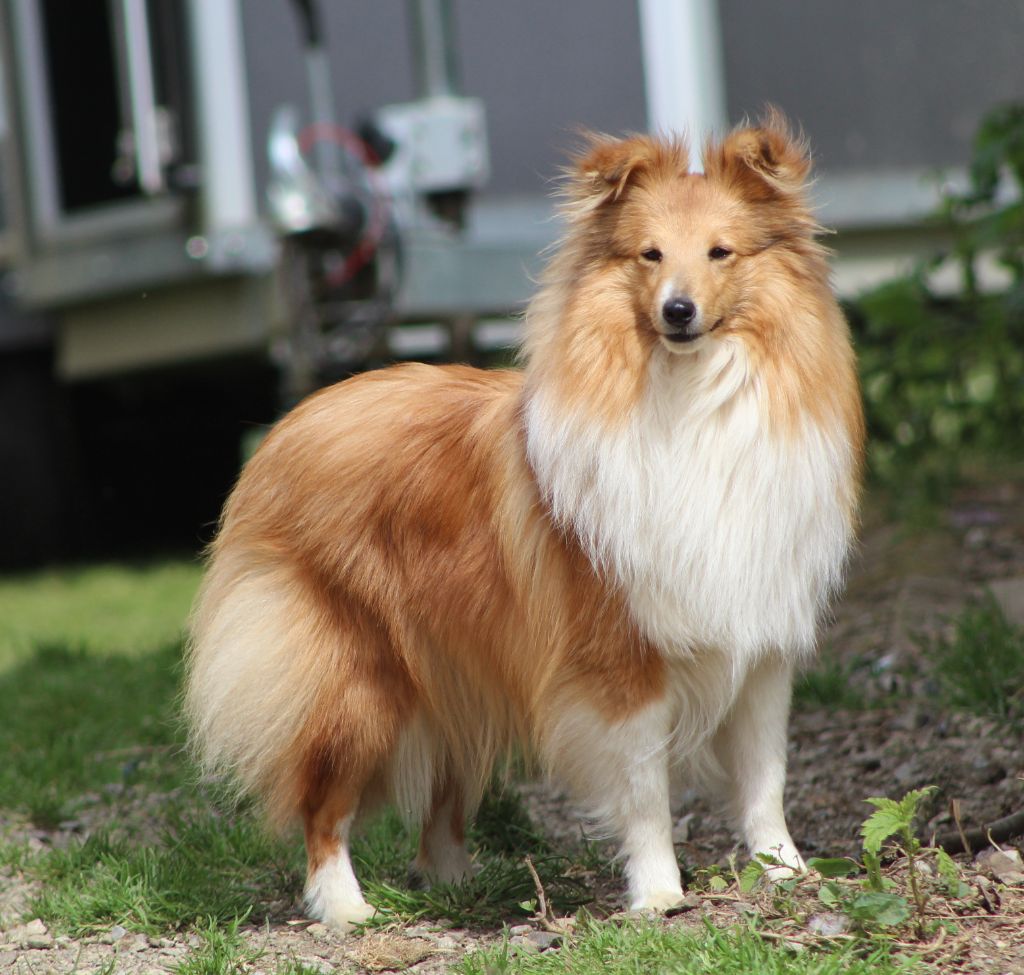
[688, 248]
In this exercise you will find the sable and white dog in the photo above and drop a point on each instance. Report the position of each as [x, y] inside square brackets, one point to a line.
[614, 557]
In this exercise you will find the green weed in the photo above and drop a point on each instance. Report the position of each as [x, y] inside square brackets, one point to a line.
[981, 667]
[873, 899]
[829, 685]
[223, 952]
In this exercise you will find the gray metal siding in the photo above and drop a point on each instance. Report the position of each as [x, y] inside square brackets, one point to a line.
[876, 83]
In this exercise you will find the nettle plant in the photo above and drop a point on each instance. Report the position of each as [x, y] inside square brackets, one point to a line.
[873, 899]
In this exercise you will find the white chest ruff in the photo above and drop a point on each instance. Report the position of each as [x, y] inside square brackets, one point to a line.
[721, 534]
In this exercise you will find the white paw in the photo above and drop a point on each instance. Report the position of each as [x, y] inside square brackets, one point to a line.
[343, 919]
[658, 900]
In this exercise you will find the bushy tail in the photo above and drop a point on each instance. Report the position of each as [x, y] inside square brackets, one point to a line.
[250, 684]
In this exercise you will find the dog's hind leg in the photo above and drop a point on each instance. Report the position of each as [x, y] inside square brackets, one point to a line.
[333, 894]
[354, 726]
[750, 745]
[442, 856]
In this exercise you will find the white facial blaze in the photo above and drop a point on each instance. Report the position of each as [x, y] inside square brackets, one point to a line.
[722, 534]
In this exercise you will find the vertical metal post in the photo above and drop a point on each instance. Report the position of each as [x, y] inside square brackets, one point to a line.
[682, 51]
[433, 47]
[222, 106]
[321, 90]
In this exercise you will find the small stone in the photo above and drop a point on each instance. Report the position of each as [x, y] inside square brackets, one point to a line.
[32, 935]
[1004, 865]
[319, 931]
[906, 772]
[115, 934]
[545, 939]
[520, 929]
[523, 943]
[446, 943]
[420, 931]
[828, 925]
[1009, 594]
[681, 830]
[690, 902]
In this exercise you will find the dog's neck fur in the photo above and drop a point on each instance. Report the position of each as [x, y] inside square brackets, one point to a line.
[722, 533]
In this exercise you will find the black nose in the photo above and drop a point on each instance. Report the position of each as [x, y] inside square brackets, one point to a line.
[679, 311]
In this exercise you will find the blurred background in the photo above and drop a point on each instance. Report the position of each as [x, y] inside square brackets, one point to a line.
[210, 207]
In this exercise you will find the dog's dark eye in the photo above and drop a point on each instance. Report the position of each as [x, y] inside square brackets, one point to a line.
[652, 255]
[717, 253]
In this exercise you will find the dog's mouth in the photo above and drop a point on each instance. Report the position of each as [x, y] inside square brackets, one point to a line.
[682, 337]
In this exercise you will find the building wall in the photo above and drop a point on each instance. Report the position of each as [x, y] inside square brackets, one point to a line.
[877, 84]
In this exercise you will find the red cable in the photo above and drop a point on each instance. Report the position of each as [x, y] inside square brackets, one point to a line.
[368, 243]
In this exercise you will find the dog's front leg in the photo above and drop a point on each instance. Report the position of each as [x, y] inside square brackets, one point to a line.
[619, 771]
[751, 747]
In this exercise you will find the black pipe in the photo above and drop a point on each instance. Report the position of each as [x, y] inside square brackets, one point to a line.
[311, 22]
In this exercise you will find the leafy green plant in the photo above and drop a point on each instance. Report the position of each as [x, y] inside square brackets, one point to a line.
[943, 378]
[895, 818]
[978, 218]
[874, 897]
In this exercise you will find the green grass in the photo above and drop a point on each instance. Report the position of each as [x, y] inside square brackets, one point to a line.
[502, 890]
[122, 609]
[597, 948]
[828, 684]
[222, 951]
[79, 726]
[981, 666]
[205, 868]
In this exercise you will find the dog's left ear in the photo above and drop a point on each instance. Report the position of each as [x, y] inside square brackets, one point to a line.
[766, 162]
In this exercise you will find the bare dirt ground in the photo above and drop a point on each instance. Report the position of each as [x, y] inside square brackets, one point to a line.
[903, 590]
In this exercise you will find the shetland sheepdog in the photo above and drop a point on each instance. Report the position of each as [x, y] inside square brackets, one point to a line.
[613, 557]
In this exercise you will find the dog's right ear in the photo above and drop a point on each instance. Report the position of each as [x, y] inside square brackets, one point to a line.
[605, 167]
